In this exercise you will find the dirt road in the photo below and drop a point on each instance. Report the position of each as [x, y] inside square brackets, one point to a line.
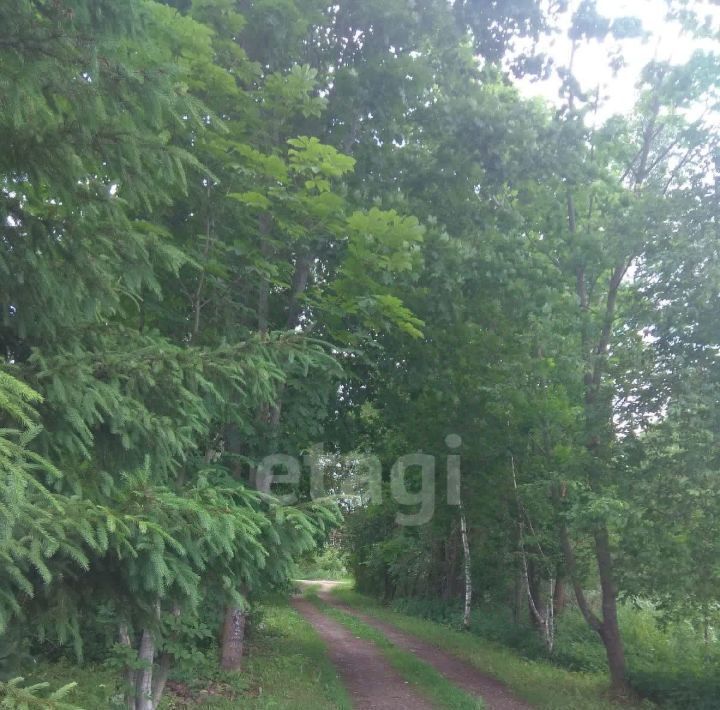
[370, 680]
[494, 693]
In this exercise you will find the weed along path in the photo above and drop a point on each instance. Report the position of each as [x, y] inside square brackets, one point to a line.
[494, 693]
[370, 680]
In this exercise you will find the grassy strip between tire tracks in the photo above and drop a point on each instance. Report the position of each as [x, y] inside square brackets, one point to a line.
[421, 676]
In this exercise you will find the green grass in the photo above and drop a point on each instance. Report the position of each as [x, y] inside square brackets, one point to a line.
[290, 665]
[541, 684]
[287, 668]
[423, 677]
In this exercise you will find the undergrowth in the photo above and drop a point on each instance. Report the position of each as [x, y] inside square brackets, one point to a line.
[286, 668]
[670, 664]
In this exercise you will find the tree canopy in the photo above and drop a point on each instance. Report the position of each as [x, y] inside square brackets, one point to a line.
[234, 229]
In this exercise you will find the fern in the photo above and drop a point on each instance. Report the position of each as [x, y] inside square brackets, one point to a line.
[15, 696]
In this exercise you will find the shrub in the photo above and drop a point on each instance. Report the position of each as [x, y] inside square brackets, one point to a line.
[330, 563]
[669, 664]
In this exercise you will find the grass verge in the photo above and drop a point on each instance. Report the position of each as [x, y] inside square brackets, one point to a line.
[289, 665]
[286, 668]
[423, 677]
[541, 684]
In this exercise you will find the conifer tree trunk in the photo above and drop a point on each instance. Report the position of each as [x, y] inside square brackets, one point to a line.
[144, 687]
[233, 633]
[130, 691]
[160, 679]
[144, 678]
[233, 639]
[163, 667]
[232, 643]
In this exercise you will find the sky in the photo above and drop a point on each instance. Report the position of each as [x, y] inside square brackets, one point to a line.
[618, 92]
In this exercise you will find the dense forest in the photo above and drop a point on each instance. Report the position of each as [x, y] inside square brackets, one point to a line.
[276, 269]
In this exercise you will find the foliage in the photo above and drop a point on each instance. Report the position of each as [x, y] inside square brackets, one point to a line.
[230, 229]
[667, 663]
[15, 695]
[564, 343]
[329, 563]
[287, 667]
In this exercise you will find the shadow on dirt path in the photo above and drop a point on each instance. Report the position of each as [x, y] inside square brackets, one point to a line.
[497, 695]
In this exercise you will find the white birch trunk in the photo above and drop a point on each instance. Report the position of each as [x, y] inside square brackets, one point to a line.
[466, 568]
[546, 618]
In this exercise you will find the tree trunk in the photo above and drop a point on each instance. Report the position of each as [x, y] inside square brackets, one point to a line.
[518, 595]
[160, 679]
[534, 592]
[541, 616]
[559, 597]
[466, 568]
[233, 633]
[597, 416]
[388, 590]
[143, 682]
[264, 227]
[610, 631]
[129, 675]
[451, 572]
[233, 639]
[297, 288]
[615, 653]
[542, 612]
[607, 627]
